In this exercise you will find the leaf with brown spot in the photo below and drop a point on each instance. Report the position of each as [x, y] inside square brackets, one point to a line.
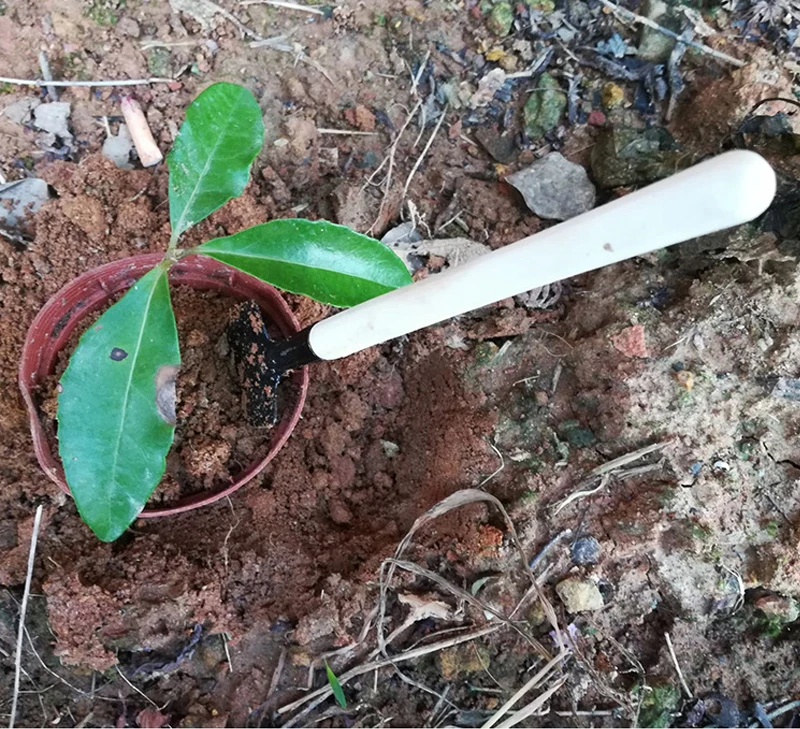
[116, 414]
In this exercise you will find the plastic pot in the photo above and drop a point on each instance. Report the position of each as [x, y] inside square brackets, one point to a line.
[94, 290]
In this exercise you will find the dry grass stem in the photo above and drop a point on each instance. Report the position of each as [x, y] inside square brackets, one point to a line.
[532, 683]
[347, 132]
[534, 706]
[284, 4]
[632, 17]
[37, 522]
[98, 84]
[137, 689]
[677, 665]
[322, 693]
[613, 469]
[454, 501]
[425, 150]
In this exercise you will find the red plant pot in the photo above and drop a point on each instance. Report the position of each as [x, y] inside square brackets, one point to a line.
[63, 313]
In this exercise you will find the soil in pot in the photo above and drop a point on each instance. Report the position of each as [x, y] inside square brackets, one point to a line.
[214, 442]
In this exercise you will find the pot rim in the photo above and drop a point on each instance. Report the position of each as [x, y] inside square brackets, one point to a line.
[62, 313]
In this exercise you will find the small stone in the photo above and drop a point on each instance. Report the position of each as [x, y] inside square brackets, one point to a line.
[585, 551]
[612, 96]
[365, 119]
[53, 118]
[631, 342]
[21, 198]
[579, 596]
[118, 148]
[500, 19]
[544, 107]
[625, 156]
[596, 118]
[158, 61]
[543, 6]
[787, 388]
[685, 380]
[501, 147]
[655, 46]
[555, 188]
[775, 606]
[339, 512]
[488, 86]
[128, 26]
[21, 112]
[390, 449]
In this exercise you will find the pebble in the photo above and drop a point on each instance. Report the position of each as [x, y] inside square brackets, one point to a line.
[631, 342]
[544, 108]
[53, 117]
[500, 19]
[118, 148]
[555, 188]
[21, 198]
[787, 388]
[579, 596]
[585, 551]
[20, 111]
[784, 609]
[129, 27]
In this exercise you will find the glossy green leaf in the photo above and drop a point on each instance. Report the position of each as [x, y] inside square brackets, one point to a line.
[336, 687]
[116, 410]
[210, 161]
[327, 262]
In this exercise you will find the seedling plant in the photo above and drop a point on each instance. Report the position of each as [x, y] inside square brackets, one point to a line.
[116, 407]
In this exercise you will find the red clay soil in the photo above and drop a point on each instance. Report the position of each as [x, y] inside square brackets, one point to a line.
[384, 436]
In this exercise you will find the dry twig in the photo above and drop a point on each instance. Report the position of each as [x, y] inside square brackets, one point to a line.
[425, 150]
[677, 665]
[630, 16]
[318, 696]
[37, 522]
[532, 683]
[284, 4]
[607, 470]
[98, 84]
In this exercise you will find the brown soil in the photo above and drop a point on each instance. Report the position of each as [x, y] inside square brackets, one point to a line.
[213, 440]
[216, 615]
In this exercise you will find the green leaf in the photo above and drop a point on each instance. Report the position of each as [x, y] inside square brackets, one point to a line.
[116, 410]
[336, 687]
[327, 262]
[210, 161]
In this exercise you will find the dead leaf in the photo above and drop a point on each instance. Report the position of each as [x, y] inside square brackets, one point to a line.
[151, 718]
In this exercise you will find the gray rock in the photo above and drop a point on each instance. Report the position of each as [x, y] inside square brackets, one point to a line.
[21, 198]
[555, 188]
[585, 550]
[787, 388]
[53, 118]
[403, 234]
[579, 596]
[118, 148]
[21, 112]
[654, 46]
[129, 27]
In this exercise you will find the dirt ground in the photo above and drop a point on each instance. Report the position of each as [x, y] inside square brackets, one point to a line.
[639, 425]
